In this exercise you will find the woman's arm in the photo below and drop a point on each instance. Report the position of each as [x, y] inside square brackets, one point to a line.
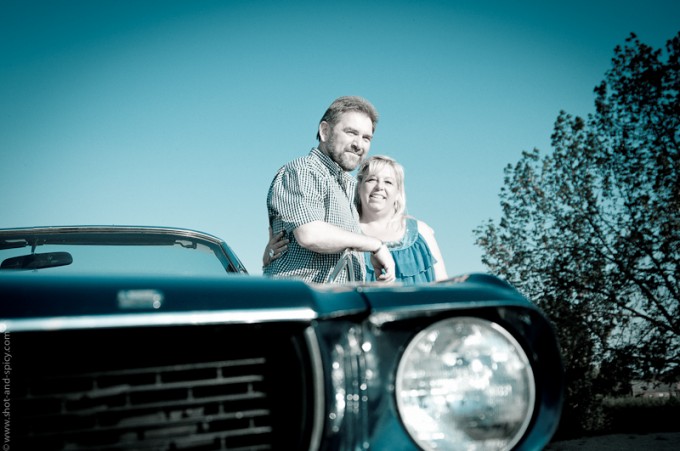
[276, 246]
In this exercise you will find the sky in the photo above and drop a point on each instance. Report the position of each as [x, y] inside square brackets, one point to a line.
[178, 113]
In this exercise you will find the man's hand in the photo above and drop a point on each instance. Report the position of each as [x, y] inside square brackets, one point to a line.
[383, 263]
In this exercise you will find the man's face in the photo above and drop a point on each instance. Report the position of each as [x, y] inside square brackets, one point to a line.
[348, 141]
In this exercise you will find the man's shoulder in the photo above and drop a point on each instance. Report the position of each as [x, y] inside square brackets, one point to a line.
[306, 163]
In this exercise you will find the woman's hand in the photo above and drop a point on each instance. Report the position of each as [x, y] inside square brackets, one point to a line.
[277, 245]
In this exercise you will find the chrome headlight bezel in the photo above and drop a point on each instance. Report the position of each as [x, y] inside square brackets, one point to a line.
[459, 383]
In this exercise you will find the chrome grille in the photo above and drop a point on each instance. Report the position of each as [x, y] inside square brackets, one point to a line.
[212, 389]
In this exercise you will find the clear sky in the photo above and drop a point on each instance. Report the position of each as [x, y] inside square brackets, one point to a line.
[178, 113]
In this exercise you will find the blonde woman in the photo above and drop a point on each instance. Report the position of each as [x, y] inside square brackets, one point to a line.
[381, 202]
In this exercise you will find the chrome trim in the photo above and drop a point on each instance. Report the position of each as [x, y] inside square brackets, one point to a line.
[114, 229]
[155, 319]
[318, 382]
[344, 262]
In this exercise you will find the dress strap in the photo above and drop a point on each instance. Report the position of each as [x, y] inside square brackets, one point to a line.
[410, 236]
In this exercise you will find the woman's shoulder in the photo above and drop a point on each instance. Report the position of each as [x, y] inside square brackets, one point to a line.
[425, 231]
[423, 226]
[420, 225]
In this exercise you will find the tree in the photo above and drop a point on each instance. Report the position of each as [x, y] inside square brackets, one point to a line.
[591, 231]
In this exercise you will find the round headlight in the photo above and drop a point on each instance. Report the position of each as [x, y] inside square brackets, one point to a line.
[465, 384]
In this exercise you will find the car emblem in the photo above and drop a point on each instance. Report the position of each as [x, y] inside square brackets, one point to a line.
[140, 299]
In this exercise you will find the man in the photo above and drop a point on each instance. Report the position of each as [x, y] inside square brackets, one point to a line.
[311, 199]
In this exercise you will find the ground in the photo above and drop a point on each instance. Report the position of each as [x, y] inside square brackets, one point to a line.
[656, 441]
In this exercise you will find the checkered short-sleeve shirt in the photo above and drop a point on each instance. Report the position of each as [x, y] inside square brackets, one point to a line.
[307, 189]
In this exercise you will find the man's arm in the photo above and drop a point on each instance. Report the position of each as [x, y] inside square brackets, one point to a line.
[325, 238]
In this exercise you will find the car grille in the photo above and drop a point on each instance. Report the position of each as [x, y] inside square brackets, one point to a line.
[189, 388]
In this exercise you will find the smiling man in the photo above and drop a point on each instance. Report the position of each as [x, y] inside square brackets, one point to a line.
[311, 200]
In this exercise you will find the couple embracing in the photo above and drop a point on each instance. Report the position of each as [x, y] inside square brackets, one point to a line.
[318, 212]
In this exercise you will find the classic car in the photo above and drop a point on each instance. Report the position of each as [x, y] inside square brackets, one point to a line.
[158, 338]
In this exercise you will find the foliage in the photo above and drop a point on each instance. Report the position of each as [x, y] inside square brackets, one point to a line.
[591, 231]
[640, 415]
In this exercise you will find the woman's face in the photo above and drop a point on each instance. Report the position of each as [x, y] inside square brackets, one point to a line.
[378, 191]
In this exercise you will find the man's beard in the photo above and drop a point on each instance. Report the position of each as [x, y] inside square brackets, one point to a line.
[346, 159]
[349, 161]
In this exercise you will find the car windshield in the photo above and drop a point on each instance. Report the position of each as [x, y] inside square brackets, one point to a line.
[107, 253]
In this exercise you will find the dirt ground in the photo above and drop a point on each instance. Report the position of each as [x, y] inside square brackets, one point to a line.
[656, 441]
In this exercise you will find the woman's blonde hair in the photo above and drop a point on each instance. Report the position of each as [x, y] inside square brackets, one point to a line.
[375, 164]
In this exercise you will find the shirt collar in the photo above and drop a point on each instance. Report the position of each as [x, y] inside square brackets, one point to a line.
[344, 178]
[333, 167]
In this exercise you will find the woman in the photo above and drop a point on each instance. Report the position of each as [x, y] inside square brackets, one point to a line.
[381, 202]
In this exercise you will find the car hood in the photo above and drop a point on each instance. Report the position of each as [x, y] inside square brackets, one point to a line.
[55, 300]
[468, 291]
[25, 295]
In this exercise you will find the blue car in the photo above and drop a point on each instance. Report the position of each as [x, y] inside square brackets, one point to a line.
[158, 338]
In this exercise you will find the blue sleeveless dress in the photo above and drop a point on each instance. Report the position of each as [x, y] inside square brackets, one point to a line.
[413, 260]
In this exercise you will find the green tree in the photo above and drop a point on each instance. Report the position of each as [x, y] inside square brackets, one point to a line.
[591, 231]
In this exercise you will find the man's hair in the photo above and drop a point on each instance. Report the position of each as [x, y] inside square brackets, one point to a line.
[375, 164]
[345, 104]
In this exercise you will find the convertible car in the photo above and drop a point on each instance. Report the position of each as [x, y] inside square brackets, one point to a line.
[158, 338]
